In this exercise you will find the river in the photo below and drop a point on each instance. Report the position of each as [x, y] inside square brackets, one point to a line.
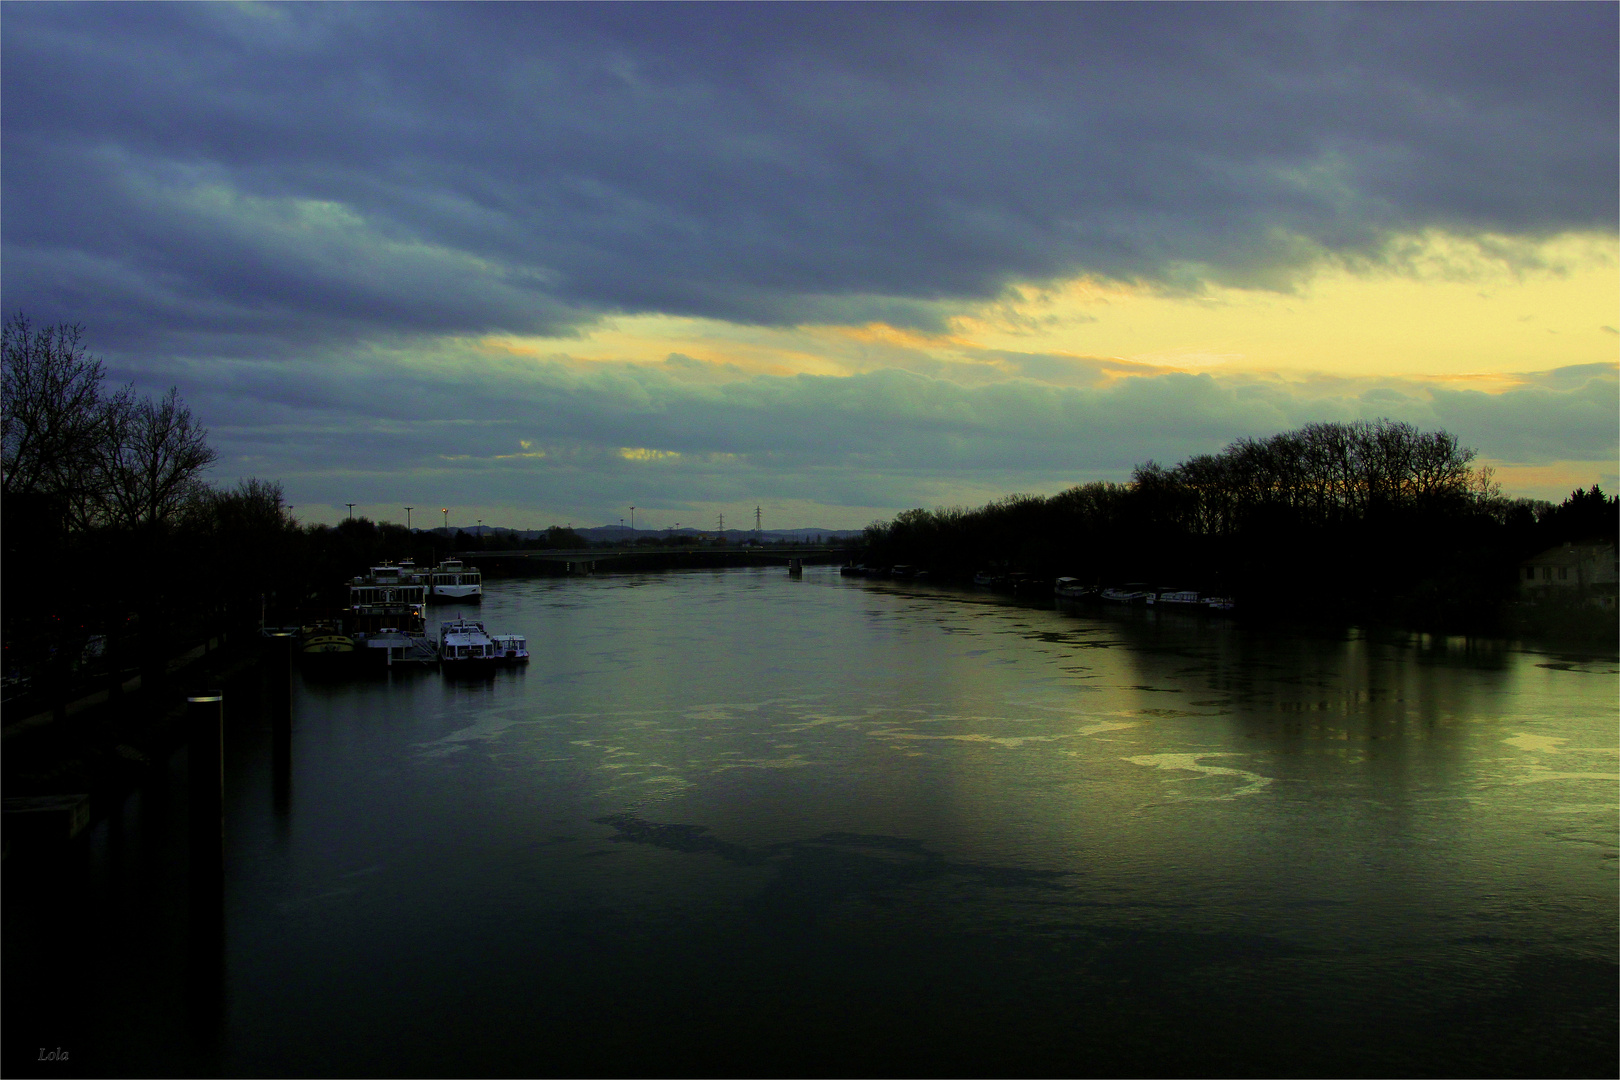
[735, 822]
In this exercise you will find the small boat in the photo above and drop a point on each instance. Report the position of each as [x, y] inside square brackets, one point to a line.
[326, 642]
[1135, 592]
[1070, 588]
[853, 570]
[510, 648]
[465, 645]
[1187, 598]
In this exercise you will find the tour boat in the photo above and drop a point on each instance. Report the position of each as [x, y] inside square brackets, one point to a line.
[465, 645]
[1175, 598]
[452, 583]
[510, 648]
[388, 598]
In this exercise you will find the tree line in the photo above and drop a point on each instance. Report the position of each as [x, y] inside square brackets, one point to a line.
[118, 555]
[1373, 519]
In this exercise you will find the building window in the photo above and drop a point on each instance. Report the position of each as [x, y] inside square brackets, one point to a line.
[1563, 573]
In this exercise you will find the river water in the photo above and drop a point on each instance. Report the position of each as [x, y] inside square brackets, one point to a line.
[734, 822]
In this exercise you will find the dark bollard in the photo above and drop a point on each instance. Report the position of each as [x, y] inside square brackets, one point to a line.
[205, 945]
[205, 734]
[279, 674]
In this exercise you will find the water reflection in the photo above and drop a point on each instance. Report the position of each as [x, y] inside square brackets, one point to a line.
[731, 821]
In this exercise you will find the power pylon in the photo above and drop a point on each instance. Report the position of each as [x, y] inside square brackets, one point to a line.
[758, 534]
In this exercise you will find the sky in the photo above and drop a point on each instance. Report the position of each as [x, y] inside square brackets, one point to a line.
[537, 264]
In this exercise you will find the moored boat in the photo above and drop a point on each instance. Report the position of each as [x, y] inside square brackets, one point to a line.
[452, 583]
[325, 643]
[389, 597]
[510, 648]
[1135, 592]
[1071, 588]
[464, 645]
[1175, 598]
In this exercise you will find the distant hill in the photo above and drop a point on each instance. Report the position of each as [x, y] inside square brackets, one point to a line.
[615, 534]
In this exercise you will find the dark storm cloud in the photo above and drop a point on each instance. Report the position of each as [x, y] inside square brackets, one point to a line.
[215, 176]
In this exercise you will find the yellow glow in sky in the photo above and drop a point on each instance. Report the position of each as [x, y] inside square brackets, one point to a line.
[1449, 307]
[1436, 307]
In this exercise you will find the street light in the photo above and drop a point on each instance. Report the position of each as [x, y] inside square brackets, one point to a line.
[408, 510]
[632, 519]
[351, 510]
[446, 512]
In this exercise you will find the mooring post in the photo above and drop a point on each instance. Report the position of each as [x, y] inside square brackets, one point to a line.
[205, 733]
[280, 675]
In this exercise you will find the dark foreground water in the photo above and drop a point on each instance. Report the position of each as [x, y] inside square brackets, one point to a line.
[736, 823]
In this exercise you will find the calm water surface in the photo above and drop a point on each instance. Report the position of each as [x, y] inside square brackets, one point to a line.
[734, 822]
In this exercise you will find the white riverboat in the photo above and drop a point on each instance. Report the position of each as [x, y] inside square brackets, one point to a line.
[452, 583]
[511, 648]
[1187, 598]
[388, 597]
[1136, 592]
[464, 645]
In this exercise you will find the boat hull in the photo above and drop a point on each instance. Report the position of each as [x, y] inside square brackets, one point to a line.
[456, 594]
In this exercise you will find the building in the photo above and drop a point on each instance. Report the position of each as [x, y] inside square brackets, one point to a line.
[1585, 573]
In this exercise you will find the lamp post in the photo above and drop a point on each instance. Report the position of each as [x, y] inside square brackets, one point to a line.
[351, 510]
[408, 510]
[446, 512]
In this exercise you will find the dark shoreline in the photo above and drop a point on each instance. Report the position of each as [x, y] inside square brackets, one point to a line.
[103, 750]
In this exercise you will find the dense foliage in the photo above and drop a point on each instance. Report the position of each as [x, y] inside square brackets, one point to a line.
[1373, 519]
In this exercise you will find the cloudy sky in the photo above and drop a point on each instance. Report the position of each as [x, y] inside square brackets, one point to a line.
[539, 263]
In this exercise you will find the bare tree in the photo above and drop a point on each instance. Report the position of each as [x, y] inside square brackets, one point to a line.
[52, 414]
[149, 467]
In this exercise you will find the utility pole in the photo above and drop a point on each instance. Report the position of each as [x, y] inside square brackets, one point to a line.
[351, 510]
[632, 522]
[408, 510]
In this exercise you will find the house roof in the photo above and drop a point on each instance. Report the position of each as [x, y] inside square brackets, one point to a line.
[1571, 555]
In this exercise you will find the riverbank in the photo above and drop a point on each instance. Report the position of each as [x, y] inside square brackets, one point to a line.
[64, 768]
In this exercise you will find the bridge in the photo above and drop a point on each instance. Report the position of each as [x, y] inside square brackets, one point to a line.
[520, 562]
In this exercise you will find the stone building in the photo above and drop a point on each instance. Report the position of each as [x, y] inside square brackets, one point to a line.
[1585, 573]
